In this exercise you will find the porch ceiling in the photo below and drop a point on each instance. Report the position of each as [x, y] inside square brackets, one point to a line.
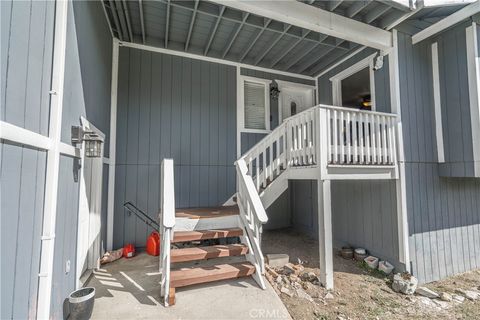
[212, 30]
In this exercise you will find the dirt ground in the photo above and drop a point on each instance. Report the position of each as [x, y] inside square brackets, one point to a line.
[361, 293]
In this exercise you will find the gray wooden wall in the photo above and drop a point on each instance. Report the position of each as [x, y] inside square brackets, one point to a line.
[26, 59]
[443, 213]
[172, 107]
[27, 29]
[381, 76]
[363, 212]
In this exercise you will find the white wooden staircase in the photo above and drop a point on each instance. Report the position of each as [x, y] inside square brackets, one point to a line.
[322, 143]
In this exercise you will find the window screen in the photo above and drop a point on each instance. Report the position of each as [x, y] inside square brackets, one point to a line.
[254, 105]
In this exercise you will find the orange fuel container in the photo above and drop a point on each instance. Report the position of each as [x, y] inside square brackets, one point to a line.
[128, 251]
[153, 244]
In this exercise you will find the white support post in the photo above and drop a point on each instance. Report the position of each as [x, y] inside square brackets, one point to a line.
[53, 162]
[113, 141]
[325, 232]
[402, 218]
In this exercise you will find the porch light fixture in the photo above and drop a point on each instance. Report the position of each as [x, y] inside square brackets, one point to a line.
[93, 141]
[274, 92]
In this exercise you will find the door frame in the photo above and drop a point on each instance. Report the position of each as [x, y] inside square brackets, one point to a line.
[292, 85]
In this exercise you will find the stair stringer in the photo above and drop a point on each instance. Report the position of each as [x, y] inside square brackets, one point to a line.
[274, 190]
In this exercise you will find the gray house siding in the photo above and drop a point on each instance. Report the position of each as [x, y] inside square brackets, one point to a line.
[27, 47]
[22, 179]
[87, 94]
[63, 282]
[89, 70]
[443, 213]
[363, 212]
[455, 103]
[381, 76]
[172, 107]
[26, 60]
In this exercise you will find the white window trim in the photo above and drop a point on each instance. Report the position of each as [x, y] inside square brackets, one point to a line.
[287, 84]
[437, 104]
[241, 104]
[473, 64]
[337, 79]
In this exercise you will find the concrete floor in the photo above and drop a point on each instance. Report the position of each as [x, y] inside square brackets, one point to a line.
[129, 289]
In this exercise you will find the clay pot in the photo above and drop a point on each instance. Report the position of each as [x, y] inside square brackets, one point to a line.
[347, 253]
[359, 254]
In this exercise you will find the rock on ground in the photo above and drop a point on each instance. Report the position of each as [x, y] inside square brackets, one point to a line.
[446, 296]
[423, 291]
[458, 298]
[277, 260]
[404, 283]
[469, 294]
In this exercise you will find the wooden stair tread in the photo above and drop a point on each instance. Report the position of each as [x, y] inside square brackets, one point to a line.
[185, 277]
[200, 253]
[183, 236]
[205, 213]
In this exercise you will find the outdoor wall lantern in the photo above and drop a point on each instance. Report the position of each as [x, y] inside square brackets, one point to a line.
[93, 141]
[274, 92]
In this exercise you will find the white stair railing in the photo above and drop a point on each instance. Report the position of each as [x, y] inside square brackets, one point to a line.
[167, 222]
[253, 216]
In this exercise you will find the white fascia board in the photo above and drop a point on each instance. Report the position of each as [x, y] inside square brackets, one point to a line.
[210, 59]
[447, 22]
[315, 19]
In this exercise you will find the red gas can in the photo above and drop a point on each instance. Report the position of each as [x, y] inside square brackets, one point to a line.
[128, 251]
[153, 244]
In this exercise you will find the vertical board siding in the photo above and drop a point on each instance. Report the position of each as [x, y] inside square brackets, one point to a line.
[364, 215]
[381, 76]
[455, 102]
[87, 70]
[27, 46]
[443, 213]
[172, 107]
[22, 176]
[63, 282]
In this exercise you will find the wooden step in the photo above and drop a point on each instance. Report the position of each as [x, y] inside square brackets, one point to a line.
[183, 236]
[189, 276]
[210, 252]
[206, 213]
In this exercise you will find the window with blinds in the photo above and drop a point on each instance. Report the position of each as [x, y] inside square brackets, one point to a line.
[254, 105]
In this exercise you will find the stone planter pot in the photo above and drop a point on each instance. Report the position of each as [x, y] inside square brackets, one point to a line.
[81, 303]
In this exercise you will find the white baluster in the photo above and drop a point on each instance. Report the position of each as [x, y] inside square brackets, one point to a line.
[329, 138]
[349, 138]
[335, 138]
[368, 136]
[361, 131]
[342, 137]
[384, 137]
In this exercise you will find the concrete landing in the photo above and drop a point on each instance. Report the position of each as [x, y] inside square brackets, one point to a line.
[129, 289]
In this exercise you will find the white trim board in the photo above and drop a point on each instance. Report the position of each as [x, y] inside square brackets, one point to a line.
[53, 162]
[437, 104]
[210, 59]
[447, 22]
[400, 186]
[113, 142]
[336, 80]
[473, 66]
[311, 18]
[23, 136]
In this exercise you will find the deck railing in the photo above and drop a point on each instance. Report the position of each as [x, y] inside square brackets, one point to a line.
[167, 222]
[346, 136]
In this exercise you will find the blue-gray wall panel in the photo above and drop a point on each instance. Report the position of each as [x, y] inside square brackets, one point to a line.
[22, 179]
[172, 107]
[381, 76]
[443, 213]
[27, 44]
[88, 68]
[63, 282]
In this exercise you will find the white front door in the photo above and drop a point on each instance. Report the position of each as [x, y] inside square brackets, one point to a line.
[294, 99]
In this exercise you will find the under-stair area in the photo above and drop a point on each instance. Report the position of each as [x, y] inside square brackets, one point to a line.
[323, 143]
